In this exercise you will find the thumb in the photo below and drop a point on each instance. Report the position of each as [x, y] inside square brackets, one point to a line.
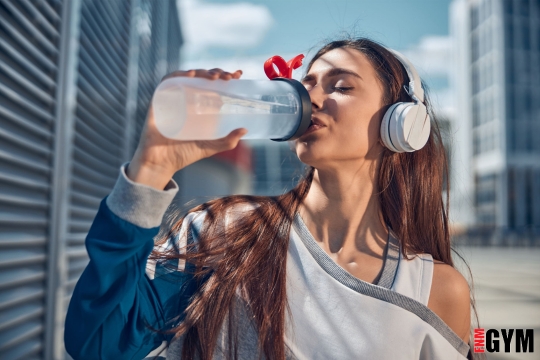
[232, 139]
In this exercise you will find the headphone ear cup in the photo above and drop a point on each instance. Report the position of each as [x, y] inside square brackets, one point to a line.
[386, 123]
[392, 126]
[405, 127]
[417, 127]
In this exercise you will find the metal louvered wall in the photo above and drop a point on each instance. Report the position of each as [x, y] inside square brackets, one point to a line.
[76, 78]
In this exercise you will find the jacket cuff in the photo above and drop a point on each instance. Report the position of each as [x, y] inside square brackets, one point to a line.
[140, 204]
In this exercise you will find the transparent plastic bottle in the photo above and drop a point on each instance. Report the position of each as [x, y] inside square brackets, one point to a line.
[198, 109]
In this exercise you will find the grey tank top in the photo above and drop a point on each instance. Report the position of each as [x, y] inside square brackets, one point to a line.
[335, 315]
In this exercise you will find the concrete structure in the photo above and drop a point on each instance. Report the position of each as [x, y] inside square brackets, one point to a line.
[497, 50]
[507, 291]
[76, 77]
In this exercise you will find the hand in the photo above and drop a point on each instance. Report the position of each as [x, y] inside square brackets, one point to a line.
[157, 158]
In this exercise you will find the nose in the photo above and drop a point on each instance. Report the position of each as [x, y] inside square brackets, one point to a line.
[316, 95]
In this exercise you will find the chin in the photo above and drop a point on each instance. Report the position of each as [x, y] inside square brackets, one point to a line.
[311, 155]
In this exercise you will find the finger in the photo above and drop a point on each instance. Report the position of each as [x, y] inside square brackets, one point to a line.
[237, 74]
[207, 74]
[226, 76]
[179, 73]
[226, 143]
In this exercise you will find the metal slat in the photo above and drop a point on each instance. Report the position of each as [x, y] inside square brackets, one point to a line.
[42, 20]
[21, 243]
[24, 183]
[87, 48]
[89, 147]
[22, 298]
[22, 280]
[116, 24]
[28, 105]
[82, 212]
[77, 252]
[77, 238]
[87, 87]
[27, 84]
[48, 10]
[77, 267]
[29, 26]
[104, 138]
[98, 74]
[87, 80]
[24, 123]
[83, 184]
[118, 45]
[22, 261]
[21, 60]
[81, 198]
[97, 37]
[31, 331]
[28, 64]
[30, 221]
[24, 202]
[28, 46]
[99, 115]
[26, 163]
[92, 161]
[24, 144]
[81, 170]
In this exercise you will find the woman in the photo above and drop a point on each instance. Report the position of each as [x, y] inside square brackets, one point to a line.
[355, 262]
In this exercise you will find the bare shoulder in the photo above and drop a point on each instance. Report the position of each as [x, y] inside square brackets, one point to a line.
[450, 298]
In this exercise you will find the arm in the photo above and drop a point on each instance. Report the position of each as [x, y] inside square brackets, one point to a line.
[114, 301]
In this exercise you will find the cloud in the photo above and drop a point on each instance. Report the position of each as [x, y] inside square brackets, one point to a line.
[235, 26]
[432, 56]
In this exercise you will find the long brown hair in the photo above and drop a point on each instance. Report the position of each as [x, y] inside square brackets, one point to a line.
[249, 256]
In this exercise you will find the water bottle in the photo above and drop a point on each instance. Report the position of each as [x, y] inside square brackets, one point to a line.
[201, 109]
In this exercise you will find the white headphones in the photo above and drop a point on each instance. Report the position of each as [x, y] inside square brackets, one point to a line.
[406, 125]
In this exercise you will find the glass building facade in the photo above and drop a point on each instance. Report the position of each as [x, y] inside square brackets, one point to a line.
[504, 71]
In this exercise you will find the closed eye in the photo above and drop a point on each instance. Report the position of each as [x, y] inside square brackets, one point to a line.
[342, 89]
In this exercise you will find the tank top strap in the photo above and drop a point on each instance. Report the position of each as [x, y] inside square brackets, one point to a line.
[414, 276]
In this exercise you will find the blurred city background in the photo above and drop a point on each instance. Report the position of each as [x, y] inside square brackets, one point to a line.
[76, 78]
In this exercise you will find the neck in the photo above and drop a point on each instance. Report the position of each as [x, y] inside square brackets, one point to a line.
[342, 211]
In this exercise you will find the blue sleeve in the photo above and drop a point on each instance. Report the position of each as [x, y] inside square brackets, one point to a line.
[114, 303]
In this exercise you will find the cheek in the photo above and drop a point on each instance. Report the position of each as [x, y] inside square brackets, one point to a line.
[359, 126]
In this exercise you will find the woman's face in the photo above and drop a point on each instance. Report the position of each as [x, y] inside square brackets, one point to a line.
[347, 109]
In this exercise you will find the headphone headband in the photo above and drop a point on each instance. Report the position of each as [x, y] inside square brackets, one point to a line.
[414, 90]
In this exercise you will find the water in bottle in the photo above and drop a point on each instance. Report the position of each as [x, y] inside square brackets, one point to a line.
[197, 109]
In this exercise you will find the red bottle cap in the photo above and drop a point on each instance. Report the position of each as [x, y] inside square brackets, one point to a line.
[285, 68]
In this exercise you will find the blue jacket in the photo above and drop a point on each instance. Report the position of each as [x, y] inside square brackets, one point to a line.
[115, 305]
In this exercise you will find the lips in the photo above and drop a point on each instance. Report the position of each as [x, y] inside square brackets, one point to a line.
[316, 124]
[316, 121]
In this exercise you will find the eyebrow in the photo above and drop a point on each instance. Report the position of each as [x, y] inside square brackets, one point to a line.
[333, 72]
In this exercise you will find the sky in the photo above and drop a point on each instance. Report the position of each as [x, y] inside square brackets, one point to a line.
[237, 34]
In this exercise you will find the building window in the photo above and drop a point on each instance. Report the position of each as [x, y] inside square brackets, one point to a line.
[474, 17]
[524, 7]
[511, 198]
[475, 80]
[475, 119]
[509, 7]
[485, 198]
[525, 36]
[509, 31]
